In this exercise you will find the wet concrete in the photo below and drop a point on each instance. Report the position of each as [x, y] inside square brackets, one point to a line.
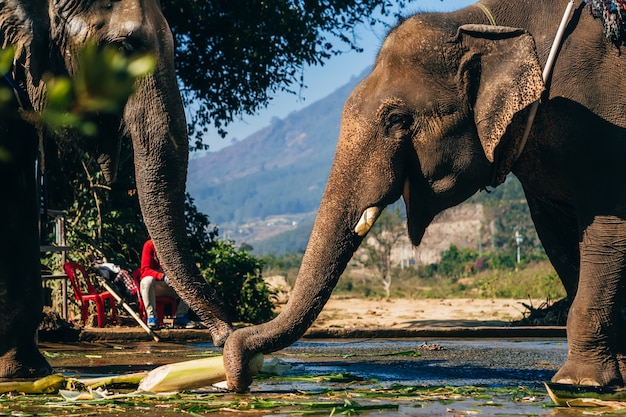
[498, 366]
[465, 329]
[487, 362]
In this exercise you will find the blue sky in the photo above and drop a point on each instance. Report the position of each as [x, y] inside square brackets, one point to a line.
[323, 80]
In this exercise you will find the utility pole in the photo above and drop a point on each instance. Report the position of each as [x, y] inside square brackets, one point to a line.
[518, 241]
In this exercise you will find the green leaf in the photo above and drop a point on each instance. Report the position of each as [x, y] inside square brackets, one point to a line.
[6, 59]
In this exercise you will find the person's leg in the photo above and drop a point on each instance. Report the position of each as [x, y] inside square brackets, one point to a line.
[148, 295]
[161, 289]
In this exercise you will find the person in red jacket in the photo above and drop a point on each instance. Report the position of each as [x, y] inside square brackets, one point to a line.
[154, 283]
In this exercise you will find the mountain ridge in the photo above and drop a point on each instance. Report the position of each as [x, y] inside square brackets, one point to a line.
[280, 169]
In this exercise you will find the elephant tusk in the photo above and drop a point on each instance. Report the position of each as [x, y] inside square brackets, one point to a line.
[367, 220]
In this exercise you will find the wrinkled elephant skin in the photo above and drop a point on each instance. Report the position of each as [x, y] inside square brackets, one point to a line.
[441, 116]
[46, 36]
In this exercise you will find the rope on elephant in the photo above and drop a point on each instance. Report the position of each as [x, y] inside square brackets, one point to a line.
[613, 15]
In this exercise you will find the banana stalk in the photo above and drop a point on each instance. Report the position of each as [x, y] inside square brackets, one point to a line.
[191, 374]
[114, 380]
[47, 385]
[167, 378]
[583, 395]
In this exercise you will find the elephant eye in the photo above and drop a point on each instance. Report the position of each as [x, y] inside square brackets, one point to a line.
[398, 125]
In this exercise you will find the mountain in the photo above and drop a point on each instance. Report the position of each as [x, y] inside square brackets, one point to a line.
[272, 181]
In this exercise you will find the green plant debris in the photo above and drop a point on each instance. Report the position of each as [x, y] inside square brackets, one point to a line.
[350, 400]
[343, 377]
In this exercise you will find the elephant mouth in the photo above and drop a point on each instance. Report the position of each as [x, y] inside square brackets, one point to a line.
[416, 225]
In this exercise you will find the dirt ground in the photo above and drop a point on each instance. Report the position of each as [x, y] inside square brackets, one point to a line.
[404, 313]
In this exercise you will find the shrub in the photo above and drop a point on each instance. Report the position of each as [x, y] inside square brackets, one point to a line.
[236, 277]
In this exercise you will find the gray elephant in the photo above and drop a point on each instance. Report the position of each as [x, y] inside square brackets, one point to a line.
[441, 116]
[46, 36]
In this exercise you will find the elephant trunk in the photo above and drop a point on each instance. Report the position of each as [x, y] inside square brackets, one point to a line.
[331, 245]
[155, 120]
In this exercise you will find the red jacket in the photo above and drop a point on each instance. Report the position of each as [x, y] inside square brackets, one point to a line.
[150, 265]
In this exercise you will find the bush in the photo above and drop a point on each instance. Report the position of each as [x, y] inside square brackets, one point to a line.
[456, 263]
[237, 280]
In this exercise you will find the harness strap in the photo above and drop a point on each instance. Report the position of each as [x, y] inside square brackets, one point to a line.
[546, 73]
[487, 13]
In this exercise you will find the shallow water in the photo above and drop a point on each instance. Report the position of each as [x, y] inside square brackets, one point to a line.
[488, 377]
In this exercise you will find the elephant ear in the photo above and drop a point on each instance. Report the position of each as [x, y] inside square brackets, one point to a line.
[501, 74]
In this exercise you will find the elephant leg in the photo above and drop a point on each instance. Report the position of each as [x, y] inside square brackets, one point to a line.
[557, 228]
[594, 322]
[21, 300]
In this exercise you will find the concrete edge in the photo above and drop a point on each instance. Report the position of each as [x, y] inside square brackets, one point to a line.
[136, 334]
[441, 332]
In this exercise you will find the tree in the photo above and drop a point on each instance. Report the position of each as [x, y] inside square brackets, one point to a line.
[232, 56]
[377, 247]
[456, 262]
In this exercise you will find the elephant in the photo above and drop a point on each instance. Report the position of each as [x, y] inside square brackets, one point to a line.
[47, 37]
[442, 115]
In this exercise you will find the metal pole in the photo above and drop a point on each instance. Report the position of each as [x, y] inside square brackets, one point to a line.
[61, 241]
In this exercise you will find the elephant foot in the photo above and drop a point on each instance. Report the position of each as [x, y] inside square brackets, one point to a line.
[576, 372]
[24, 363]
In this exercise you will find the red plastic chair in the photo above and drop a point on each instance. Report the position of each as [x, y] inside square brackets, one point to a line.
[161, 302]
[74, 271]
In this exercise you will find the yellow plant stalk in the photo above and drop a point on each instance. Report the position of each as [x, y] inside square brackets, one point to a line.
[46, 385]
[116, 380]
[193, 374]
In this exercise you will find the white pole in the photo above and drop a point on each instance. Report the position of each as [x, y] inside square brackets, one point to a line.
[546, 73]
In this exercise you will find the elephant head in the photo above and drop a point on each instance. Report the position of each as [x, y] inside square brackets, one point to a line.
[47, 36]
[431, 123]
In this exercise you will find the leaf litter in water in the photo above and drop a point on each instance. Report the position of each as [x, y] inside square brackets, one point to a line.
[350, 400]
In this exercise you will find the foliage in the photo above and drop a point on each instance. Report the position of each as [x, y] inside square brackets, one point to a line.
[232, 57]
[281, 263]
[537, 281]
[456, 263]
[102, 221]
[6, 62]
[114, 228]
[236, 278]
